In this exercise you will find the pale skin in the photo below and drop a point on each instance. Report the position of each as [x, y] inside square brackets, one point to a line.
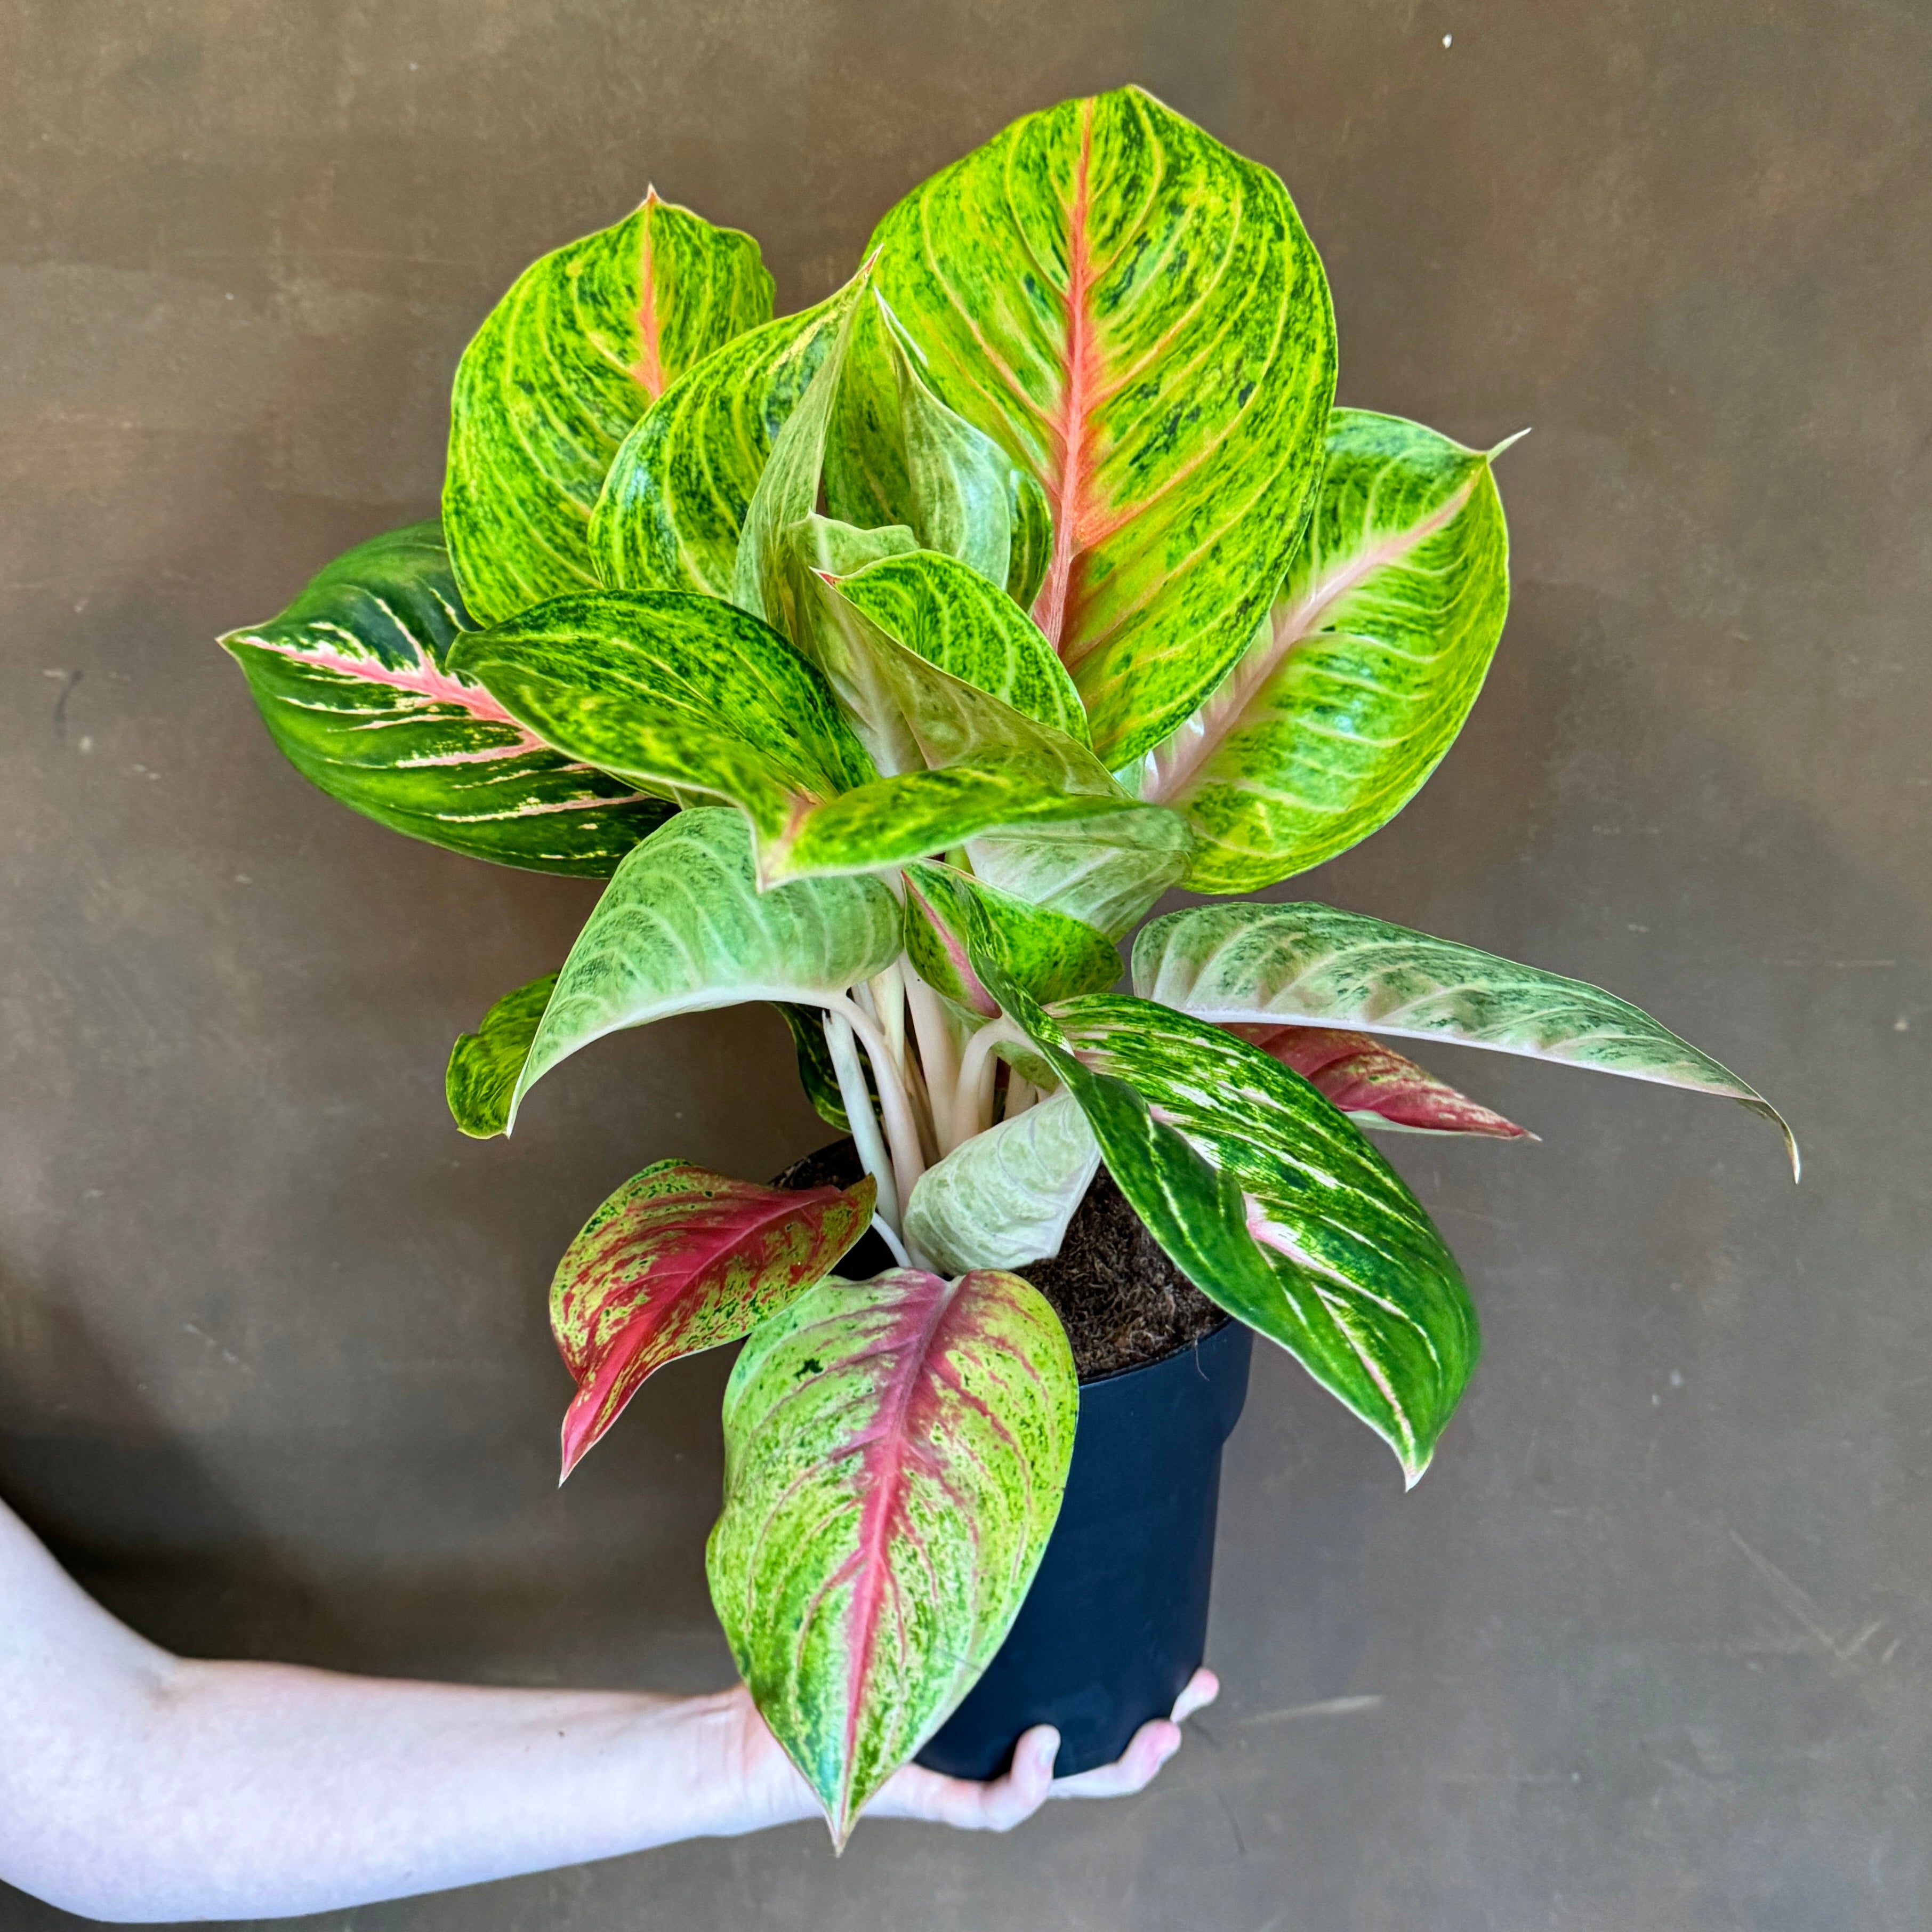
[138, 1787]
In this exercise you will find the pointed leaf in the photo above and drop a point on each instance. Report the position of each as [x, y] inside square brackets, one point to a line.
[1315, 965]
[1373, 1084]
[1267, 1198]
[1135, 314]
[1361, 677]
[683, 927]
[485, 1066]
[1052, 956]
[680, 1259]
[683, 694]
[896, 1452]
[355, 685]
[674, 503]
[1003, 1198]
[563, 367]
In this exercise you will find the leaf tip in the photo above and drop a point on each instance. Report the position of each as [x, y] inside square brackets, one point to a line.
[1507, 443]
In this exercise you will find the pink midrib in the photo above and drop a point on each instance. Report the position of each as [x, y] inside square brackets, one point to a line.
[438, 687]
[677, 1269]
[649, 368]
[1223, 712]
[883, 1461]
[1070, 428]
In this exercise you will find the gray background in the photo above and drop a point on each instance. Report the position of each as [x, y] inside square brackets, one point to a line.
[1652, 1645]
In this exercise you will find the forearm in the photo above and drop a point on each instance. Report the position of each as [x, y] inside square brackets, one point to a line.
[240, 1790]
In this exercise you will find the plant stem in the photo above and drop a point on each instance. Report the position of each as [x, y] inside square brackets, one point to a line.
[972, 1110]
[853, 1090]
[901, 1130]
[938, 1052]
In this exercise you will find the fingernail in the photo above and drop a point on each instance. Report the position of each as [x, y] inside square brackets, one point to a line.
[1048, 1748]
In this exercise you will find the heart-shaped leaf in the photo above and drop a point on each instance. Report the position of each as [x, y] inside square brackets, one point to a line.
[680, 1259]
[1361, 677]
[682, 693]
[1003, 1198]
[355, 683]
[1135, 315]
[586, 341]
[1374, 1085]
[896, 1452]
[1316, 965]
[485, 1066]
[674, 504]
[683, 927]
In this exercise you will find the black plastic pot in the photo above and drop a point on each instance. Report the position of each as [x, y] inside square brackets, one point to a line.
[1117, 1620]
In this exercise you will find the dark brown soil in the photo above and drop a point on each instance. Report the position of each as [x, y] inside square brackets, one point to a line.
[1123, 1302]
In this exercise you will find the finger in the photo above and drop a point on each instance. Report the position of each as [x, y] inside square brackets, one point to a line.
[914, 1792]
[1150, 1747]
[1200, 1691]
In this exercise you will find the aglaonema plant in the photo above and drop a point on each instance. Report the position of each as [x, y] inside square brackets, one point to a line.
[891, 659]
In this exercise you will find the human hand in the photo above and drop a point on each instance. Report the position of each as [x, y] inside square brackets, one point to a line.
[775, 1793]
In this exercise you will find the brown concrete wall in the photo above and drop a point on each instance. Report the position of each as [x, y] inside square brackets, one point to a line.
[1650, 1648]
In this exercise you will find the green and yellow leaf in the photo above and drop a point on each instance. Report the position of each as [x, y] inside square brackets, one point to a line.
[485, 1066]
[564, 366]
[1135, 315]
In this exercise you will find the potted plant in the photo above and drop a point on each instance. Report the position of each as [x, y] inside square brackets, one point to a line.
[891, 659]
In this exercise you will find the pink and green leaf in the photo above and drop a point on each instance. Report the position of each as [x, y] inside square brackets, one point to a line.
[896, 1453]
[355, 683]
[678, 1260]
[1135, 315]
[1375, 1085]
[586, 341]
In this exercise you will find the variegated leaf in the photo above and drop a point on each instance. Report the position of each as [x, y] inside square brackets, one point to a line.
[678, 1260]
[816, 1072]
[1265, 1197]
[484, 1066]
[1367, 1297]
[1360, 678]
[585, 342]
[1003, 1198]
[355, 683]
[674, 504]
[1136, 315]
[1105, 872]
[952, 617]
[1052, 956]
[1374, 1085]
[898, 455]
[896, 1452]
[683, 927]
[1316, 965]
[683, 694]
